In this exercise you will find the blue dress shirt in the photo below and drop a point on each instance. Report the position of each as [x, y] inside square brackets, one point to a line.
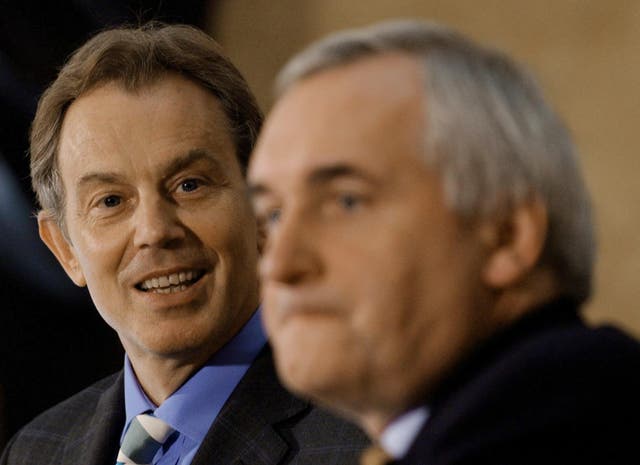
[397, 437]
[194, 406]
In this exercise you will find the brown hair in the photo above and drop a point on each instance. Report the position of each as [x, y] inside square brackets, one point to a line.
[136, 57]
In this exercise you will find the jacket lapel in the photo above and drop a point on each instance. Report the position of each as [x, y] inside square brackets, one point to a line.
[99, 433]
[245, 431]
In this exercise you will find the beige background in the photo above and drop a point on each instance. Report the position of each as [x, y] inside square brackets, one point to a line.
[586, 54]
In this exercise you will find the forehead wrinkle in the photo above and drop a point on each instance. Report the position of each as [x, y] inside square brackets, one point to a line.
[150, 104]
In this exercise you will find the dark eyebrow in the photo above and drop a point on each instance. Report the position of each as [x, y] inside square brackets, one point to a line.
[321, 175]
[105, 178]
[176, 165]
[191, 157]
[326, 174]
[256, 190]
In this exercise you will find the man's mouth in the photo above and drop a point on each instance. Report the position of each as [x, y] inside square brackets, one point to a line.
[167, 284]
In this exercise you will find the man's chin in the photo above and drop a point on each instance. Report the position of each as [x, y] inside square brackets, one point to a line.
[170, 347]
[311, 380]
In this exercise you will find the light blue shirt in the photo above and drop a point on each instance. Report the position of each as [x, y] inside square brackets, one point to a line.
[397, 437]
[195, 405]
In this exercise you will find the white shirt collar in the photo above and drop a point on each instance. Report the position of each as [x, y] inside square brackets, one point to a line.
[398, 436]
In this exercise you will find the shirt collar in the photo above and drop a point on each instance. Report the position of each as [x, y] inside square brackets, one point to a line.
[397, 437]
[193, 407]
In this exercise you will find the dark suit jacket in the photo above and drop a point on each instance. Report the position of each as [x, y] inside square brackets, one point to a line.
[261, 424]
[547, 390]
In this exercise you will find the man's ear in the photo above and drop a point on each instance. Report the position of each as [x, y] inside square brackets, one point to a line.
[53, 236]
[516, 244]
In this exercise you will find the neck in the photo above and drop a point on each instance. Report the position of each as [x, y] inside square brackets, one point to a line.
[160, 377]
[506, 307]
[374, 424]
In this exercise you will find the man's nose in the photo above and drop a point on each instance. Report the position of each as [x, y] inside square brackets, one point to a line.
[156, 224]
[290, 256]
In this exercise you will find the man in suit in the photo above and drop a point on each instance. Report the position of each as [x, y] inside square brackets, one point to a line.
[138, 155]
[429, 246]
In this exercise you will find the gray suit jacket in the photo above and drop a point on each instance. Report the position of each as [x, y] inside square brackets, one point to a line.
[261, 424]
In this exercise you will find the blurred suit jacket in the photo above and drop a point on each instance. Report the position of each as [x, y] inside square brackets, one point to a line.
[261, 424]
[548, 390]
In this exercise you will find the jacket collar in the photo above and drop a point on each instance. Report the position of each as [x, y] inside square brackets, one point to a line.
[246, 430]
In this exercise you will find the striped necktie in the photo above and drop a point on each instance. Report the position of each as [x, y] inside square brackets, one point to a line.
[143, 439]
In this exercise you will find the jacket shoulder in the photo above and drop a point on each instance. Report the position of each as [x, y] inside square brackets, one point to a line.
[542, 397]
[44, 439]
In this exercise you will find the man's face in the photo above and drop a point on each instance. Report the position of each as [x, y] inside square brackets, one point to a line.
[370, 284]
[159, 225]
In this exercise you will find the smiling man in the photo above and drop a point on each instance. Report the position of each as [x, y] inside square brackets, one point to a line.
[429, 246]
[138, 154]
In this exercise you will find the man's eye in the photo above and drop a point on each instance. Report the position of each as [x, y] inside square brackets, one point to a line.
[189, 185]
[111, 201]
[273, 216]
[349, 201]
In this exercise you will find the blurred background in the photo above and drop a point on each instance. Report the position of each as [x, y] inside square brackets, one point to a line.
[584, 53]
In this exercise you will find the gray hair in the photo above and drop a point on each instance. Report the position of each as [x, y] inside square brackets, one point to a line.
[491, 136]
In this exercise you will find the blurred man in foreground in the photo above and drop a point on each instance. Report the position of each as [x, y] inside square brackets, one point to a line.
[429, 246]
[138, 155]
